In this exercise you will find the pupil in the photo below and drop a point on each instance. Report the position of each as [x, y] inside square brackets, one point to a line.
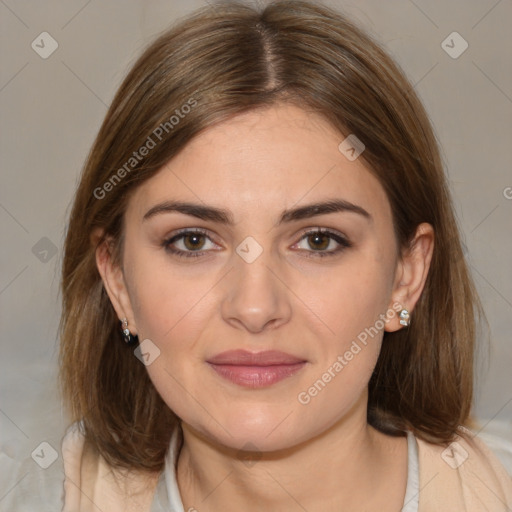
[194, 241]
[315, 241]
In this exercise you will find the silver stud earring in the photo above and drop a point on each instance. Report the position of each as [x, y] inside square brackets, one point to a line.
[129, 338]
[405, 317]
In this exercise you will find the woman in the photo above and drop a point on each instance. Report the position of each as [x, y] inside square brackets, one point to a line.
[266, 304]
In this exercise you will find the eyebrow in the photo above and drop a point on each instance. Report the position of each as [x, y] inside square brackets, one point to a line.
[225, 217]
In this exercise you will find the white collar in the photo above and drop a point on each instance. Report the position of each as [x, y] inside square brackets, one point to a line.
[168, 499]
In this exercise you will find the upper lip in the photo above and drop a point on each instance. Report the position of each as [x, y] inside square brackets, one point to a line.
[246, 358]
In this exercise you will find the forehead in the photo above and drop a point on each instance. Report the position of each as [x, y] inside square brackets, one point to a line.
[264, 161]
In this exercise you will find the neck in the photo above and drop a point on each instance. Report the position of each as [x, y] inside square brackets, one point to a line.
[349, 464]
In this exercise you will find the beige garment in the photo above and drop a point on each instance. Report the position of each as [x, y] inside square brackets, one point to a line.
[90, 485]
[464, 477]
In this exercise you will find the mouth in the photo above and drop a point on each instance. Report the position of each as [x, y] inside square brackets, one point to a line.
[255, 370]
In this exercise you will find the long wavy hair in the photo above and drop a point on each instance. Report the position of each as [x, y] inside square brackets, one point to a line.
[221, 61]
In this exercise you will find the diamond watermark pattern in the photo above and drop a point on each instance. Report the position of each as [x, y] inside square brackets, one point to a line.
[454, 45]
[147, 352]
[44, 45]
[45, 455]
[351, 147]
[454, 455]
[249, 454]
[44, 250]
[249, 250]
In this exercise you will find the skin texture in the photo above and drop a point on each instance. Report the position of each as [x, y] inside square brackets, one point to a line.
[289, 298]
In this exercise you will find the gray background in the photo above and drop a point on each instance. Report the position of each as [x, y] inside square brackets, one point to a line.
[52, 108]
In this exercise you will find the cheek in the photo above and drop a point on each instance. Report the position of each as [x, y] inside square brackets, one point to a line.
[351, 298]
[352, 303]
[164, 301]
[172, 311]
[354, 307]
[173, 318]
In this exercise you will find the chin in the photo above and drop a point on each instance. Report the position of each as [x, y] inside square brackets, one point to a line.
[257, 432]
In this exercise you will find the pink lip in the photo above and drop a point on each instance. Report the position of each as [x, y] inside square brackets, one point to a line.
[255, 370]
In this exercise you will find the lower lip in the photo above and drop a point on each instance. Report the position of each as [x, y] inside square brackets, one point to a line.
[256, 376]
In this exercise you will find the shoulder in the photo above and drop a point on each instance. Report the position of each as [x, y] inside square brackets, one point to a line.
[462, 475]
[87, 477]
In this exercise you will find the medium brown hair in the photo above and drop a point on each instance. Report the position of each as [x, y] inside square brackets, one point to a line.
[222, 61]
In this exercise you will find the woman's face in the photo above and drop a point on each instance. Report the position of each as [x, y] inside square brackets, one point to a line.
[255, 259]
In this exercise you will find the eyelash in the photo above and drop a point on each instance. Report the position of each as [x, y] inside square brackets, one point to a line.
[338, 238]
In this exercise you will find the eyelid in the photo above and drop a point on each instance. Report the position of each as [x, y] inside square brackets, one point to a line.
[179, 234]
[318, 229]
[184, 231]
[341, 239]
[338, 237]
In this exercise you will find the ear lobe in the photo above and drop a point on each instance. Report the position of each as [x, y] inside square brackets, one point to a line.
[411, 275]
[113, 279]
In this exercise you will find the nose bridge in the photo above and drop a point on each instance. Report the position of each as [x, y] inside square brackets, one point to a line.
[254, 298]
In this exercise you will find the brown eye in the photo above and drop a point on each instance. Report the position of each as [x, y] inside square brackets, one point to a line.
[318, 241]
[189, 243]
[194, 241]
[322, 242]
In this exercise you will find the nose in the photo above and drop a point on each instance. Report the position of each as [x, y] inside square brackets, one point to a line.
[255, 298]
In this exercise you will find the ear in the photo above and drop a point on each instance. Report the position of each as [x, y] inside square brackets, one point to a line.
[411, 274]
[113, 279]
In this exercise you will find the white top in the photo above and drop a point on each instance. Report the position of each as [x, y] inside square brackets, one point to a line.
[463, 476]
[168, 499]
